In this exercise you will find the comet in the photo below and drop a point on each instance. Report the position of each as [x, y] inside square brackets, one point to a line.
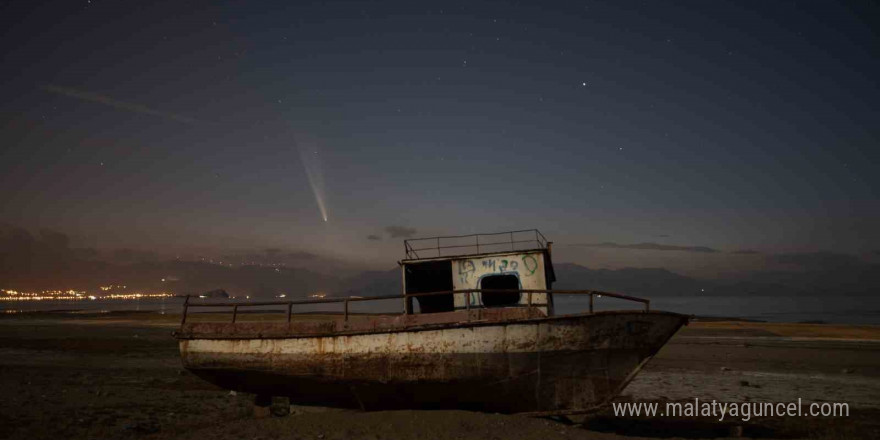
[311, 161]
[115, 103]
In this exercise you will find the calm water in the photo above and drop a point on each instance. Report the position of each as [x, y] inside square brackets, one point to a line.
[865, 310]
[844, 310]
[175, 306]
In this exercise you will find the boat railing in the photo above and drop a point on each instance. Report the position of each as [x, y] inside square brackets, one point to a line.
[345, 301]
[451, 245]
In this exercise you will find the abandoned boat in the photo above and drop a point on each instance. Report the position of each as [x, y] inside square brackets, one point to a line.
[477, 331]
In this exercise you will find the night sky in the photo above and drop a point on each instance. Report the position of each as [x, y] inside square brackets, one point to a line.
[630, 133]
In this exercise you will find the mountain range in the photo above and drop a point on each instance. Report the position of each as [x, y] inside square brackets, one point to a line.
[46, 261]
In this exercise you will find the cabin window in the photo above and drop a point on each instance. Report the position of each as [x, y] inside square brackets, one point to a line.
[434, 276]
[500, 282]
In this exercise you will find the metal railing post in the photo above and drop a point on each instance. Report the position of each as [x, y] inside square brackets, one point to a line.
[234, 313]
[185, 307]
[289, 311]
[346, 310]
[591, 302]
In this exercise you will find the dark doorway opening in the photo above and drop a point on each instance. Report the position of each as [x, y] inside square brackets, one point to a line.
[434, 276]
[500, 282]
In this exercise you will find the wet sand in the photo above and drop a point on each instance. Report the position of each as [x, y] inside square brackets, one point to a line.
[119, 376]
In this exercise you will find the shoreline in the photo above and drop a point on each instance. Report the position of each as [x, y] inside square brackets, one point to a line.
[806, 310]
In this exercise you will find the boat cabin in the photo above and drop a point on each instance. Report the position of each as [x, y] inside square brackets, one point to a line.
[478, 271]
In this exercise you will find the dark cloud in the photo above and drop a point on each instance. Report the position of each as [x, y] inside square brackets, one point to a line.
[301, 255]
[819, 260]
[663, 235]
[400, 231]
[650, 247]
[126, 255]
[745, 252]
[374, 237]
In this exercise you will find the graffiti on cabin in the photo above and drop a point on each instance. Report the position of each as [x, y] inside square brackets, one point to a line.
[467, 269]
[528, 268]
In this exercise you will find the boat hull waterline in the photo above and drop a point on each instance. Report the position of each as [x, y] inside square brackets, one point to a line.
[553, 365]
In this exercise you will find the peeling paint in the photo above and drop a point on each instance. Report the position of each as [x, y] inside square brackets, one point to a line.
[569, 362]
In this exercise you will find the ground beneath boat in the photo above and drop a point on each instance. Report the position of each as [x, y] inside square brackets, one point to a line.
[119, 376]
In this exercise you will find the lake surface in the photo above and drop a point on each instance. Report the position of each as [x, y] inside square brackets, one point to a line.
[844, 310]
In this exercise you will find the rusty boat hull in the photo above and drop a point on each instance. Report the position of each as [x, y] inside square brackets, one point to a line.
[530, 364]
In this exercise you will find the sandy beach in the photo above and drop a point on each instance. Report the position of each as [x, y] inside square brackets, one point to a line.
[118, 375]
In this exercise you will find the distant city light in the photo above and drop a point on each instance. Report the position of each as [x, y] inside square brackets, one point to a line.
[75, 295]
